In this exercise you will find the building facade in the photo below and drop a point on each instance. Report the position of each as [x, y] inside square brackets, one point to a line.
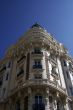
[36, 74]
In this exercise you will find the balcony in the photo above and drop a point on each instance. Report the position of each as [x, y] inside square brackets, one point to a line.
[40, 106]
[37, 68]
[39, 82]
[37, 53]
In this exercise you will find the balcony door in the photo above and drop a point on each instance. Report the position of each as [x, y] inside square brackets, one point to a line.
[38, 104]
[26, 103]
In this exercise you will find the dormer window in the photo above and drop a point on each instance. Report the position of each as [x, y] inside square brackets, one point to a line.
[38, 99]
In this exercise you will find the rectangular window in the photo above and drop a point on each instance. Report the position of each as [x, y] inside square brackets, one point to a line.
[71, 90]
[26, 103]
[64, 62]
[38, 99]
[67, 74]
[8, 64]
[4, 90]
[1, 80]
[54, 70]
[7, 76]
[37, 64]
[27, 66]
[37, 50]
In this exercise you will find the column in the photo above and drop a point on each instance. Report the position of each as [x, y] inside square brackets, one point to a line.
[67, 105]
[29, 99]
[47, 104]
[22, 103]
[10, 104]
[21, 97]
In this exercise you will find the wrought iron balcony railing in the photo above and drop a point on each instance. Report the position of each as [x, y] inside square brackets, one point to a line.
[37, 66]
[37, 52]
[39, 82]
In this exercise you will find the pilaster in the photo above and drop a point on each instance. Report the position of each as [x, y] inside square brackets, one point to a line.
[47, 105]
[29, 99]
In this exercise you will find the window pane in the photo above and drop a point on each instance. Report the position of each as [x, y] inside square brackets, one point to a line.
[40, 99]
[36, 99]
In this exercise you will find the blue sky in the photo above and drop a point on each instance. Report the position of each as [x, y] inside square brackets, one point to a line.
[17, 16]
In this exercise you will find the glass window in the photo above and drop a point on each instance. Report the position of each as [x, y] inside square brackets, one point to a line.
[38, 99]
[1, 80]
[50, 99]
[64, 63]
[7, 76]
[67, 74]
[58, 105]
[9, 64]
[37, 50]
[71, 90]
[37, 62]
[18, 105]
[4, 90]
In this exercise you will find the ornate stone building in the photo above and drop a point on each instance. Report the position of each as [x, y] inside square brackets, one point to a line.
[36, 74]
